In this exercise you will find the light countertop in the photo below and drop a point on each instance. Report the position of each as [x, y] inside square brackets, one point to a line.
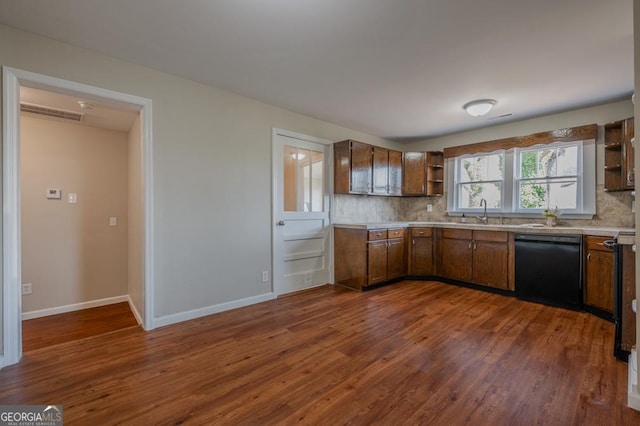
[529, 228]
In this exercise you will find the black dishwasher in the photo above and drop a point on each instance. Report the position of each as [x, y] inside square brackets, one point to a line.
[549, 269]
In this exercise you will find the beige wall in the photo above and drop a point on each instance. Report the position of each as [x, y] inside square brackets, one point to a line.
[69, 252]
[135, 271]
[212, 170]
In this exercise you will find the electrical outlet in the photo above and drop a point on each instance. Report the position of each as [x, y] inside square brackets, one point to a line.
[308, 278]
[265, 276]
[429, 207]
[26, 288]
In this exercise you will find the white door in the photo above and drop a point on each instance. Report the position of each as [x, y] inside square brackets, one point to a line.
[301, 227]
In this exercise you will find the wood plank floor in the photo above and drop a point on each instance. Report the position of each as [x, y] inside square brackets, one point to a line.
[53, 330]
[411, 353]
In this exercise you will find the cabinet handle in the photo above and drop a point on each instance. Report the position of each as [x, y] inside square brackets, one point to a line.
[475, 246]
[413, 242]
[378, 234]
[469, 245]
[588, 257]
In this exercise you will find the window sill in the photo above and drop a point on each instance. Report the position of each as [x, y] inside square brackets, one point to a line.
[579, 216]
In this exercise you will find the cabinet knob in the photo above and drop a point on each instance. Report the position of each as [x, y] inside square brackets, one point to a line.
[281, 223]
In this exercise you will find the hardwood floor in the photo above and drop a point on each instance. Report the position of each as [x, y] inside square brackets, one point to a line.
[52, 330]
[411, 353]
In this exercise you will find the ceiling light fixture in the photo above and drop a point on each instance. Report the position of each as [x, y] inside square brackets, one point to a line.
[298, 155]
[479, 107]
[86, 105]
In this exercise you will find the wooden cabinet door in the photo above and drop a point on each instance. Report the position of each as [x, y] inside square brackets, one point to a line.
[414, 173]
[396, 259]
[422, 256]
[629, 166]
[598, 286]
[490, 264]
[377, 262]
[380, 170]
[395, 173]
[360, 167]
[457, 259]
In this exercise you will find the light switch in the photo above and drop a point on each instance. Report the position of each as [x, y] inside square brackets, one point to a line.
[113, 221]
[73, 198]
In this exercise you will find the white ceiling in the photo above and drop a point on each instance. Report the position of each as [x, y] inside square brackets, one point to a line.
[392, 68]
[100, 115]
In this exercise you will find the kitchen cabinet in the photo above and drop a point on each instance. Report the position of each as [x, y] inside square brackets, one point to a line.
[423, 173]
[491, 259]
[421, 260]
[475, 256]
[435, 173]
[619, 167]
[598, 274]
[352, 167]
[628, 294]
[369, 257]
[387, 171]
[456, 256]
[360, 168]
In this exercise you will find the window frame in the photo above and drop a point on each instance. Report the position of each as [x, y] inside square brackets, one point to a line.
[517, 180]
[586, 197]
[458, 182]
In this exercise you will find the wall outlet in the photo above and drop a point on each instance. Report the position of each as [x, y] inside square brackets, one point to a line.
[26, 288]
[265, 276]
[113, 221]
[429, 207]
[308, 279]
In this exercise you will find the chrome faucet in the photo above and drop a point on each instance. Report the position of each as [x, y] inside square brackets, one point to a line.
[484, 218]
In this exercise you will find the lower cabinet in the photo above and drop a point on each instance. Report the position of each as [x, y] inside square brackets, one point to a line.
[369, 257]
[479, 257]
[421, 259]
[598, 274]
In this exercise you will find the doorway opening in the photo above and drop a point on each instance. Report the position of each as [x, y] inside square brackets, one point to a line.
[139, 290]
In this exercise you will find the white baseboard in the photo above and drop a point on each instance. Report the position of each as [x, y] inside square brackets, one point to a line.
[135, 311]
[633, 395]
[210, 310]
[74, 307]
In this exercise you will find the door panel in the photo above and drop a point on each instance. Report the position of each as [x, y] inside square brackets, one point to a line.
[301, 212]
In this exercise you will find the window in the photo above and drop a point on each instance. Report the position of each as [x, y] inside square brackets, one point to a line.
[303, 179]
[549, 176]
[480, 177]
[525, 181]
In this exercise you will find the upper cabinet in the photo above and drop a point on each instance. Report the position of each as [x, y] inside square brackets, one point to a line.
[360, 168]
[387, 171]
[352, 167]
[423, 173]
[619, 168]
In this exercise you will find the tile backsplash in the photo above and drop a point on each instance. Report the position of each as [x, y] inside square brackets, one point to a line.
[613, 209]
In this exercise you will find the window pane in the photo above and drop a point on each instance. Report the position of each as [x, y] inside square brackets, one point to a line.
[290, 164]
[470, 194]
[549, 162]
[568, 161]
[317, 168]
[541, 194]
[303, 180]
[482, 168]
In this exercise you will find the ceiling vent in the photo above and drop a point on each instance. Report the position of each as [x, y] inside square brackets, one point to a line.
[51, 112]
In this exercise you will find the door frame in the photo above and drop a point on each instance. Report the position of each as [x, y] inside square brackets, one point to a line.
[274, 200]
[12, 79]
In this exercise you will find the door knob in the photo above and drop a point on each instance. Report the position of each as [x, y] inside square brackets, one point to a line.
[281, 223]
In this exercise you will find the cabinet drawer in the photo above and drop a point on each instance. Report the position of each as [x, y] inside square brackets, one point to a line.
[421, 232]
[457, 234]
[377, 234]
[597, 243]
[495, 236]
[395, 233]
